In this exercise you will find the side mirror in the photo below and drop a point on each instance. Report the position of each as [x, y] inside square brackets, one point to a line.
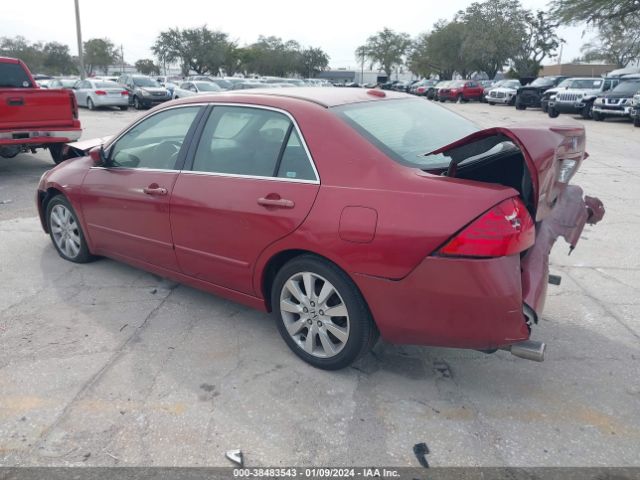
[98, 156]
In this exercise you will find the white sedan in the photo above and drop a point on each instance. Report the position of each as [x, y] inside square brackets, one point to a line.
[98, 93]
[198, 87]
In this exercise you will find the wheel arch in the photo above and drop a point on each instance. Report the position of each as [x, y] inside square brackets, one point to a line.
[277, 260]
[44, 197]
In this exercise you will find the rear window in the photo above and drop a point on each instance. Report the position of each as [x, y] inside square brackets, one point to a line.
[144, 82]
[407, 129]
[12, 75]
[107, 85]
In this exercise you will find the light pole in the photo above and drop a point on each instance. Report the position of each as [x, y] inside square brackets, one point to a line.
[79, 35]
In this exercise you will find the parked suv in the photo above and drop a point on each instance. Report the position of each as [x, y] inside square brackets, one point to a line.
[144, 91]
[635, 110]
[576, 95]
[531, 95]
[461, 90]
[617, 102]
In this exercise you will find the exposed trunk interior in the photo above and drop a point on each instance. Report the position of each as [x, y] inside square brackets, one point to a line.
[492, 160]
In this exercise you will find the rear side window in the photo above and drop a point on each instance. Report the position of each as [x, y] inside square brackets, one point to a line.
[12, 75]
[406, 130]
[252, 142]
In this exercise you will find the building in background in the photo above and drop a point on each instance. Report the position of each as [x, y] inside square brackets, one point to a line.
[343, 75]
[578, 69]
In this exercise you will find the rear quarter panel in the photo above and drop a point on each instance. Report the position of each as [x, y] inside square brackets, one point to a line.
[416, 212]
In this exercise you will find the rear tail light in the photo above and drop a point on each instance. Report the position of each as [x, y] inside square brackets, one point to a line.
[569, 154]
[74, 105]
[124, 93]
[506, 229]
[100, 92]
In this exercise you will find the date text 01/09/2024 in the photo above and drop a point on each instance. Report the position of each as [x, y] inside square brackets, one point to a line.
[315, 472]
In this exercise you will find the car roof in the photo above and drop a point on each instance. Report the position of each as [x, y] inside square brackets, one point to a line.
[326, 97]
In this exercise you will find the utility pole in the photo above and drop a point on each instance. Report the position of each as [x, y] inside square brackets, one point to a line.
[79, 35]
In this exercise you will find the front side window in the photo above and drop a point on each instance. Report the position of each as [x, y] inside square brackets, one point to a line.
[155, 142]
[253, 142]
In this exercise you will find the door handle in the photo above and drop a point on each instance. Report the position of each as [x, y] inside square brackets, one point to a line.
[276, 202]
[15, 101]
[155, 190]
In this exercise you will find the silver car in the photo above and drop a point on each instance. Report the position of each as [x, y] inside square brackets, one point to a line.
[98, 93]
[187, 89]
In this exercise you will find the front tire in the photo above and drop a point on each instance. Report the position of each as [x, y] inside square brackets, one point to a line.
[65, 231]
[636, 121]
[553, 113]
[520, 106]
[320, 313]
[124, 108]
[597, 116]
[587, 112]
[136, 103]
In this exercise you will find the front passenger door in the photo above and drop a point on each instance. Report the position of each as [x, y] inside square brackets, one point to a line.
[126, 202]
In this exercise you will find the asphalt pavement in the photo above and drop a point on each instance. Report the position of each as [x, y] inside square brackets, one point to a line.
[103, 364]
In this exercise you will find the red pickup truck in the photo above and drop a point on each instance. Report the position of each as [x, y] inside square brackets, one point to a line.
[33, 117]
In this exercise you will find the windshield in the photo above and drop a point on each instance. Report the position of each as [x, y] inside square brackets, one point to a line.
[144, 82]
[627, 88]
[208, 87]
[582, 83]
[510, 84]
[407, 129]
[542, 82]
[222, 83]
[12, 75]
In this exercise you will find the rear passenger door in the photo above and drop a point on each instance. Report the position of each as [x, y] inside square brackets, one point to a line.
[249, 181]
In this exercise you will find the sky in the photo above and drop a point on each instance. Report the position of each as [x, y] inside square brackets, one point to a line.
[336, 26]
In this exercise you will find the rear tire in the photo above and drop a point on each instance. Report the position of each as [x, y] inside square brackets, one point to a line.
[65, 231]
[124, 108]
[491, 103]
[90, 104]
[324, 340]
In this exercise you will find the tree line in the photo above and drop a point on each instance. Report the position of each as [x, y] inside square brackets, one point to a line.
[206, 51]
[492, 34]
[55, 58]
[200, 50]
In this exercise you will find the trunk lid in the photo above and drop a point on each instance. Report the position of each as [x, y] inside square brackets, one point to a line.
[543, 148]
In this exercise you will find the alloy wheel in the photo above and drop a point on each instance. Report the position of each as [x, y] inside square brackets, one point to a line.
[65, 231]
[314, 314]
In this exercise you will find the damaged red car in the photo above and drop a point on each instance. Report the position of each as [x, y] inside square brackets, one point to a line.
[348, 213]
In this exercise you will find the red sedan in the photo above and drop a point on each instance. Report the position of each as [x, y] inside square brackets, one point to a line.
[348, 213]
